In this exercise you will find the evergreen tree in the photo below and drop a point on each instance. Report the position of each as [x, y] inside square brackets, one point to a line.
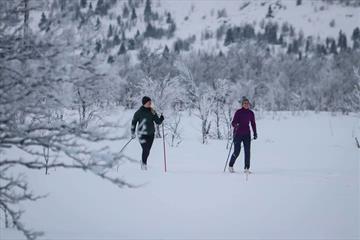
[110, 31]
[133, 14]
[271, 32]
[125, 11]
[248, 31]
[98, 24]
[290, 49]
[281, 40]
[117, 40]
[131, 44]
[298, 2]
[342, 41]
[356, 44]
[356, 38]
[296, 46]
[171, 30]
[168, 18]
[307, 44]
[83, 3]
[237, 33]
[177, 46]
[122, 49]
[43, 25]
[292, 31]
[101, 8]
[356, 34]
[285, 28]
[166, 52]
[320, 49]
[137, 35]
[150, 31]
[270, 13]
[111, 59]
[98, 46]
[147, 11]
[333, 48]
[77, 12]
[328, 42]
[62, 5]
[229, 38]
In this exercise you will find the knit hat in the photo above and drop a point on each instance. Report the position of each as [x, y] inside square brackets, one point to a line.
[244, 99]
[145, 99]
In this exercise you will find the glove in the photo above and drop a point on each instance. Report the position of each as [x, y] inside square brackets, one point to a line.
[162, 117]
[133, 135]
[255, 136]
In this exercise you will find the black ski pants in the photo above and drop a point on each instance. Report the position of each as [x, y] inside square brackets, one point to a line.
[146, 142]
[246, 139]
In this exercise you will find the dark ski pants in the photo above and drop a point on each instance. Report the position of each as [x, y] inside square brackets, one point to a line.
[246, 139]
[146, 142]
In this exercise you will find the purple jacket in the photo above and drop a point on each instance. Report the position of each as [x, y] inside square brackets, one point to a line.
[241, 121]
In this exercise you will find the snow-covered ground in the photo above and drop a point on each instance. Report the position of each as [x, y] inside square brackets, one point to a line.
[313, 17]
[305, 186]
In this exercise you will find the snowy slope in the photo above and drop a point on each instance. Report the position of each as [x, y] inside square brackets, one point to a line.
[312, 17]
[255, 11]
[305, 186]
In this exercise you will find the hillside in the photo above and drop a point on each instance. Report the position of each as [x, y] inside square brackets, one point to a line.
[205, 22]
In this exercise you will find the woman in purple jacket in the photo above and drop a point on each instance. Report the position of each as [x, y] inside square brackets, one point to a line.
[240, 122]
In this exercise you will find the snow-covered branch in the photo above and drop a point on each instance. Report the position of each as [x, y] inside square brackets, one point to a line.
[14, 191]
[36, 113]
[201, 98]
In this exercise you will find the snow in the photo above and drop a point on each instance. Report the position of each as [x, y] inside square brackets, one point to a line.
[305, 186]
[312, 17]
[307, 17]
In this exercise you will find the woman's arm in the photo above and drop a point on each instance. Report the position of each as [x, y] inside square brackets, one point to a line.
[235, 120]
[134, 121]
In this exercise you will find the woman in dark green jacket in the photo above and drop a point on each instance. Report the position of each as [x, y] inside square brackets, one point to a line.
[145, 118]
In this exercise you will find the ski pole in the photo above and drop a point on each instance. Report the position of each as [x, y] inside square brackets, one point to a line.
[123, 149]
[164, 146]
[126, 144]
[232, 143]
[227, 159]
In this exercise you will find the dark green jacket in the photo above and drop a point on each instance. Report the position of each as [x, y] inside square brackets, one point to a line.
[145, 117]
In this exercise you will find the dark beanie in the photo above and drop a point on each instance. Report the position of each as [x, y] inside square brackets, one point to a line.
[145, 100]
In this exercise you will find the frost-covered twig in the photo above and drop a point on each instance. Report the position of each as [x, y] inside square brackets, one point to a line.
[14, 191]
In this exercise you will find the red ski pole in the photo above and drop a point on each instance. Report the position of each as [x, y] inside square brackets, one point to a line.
[163, 133]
